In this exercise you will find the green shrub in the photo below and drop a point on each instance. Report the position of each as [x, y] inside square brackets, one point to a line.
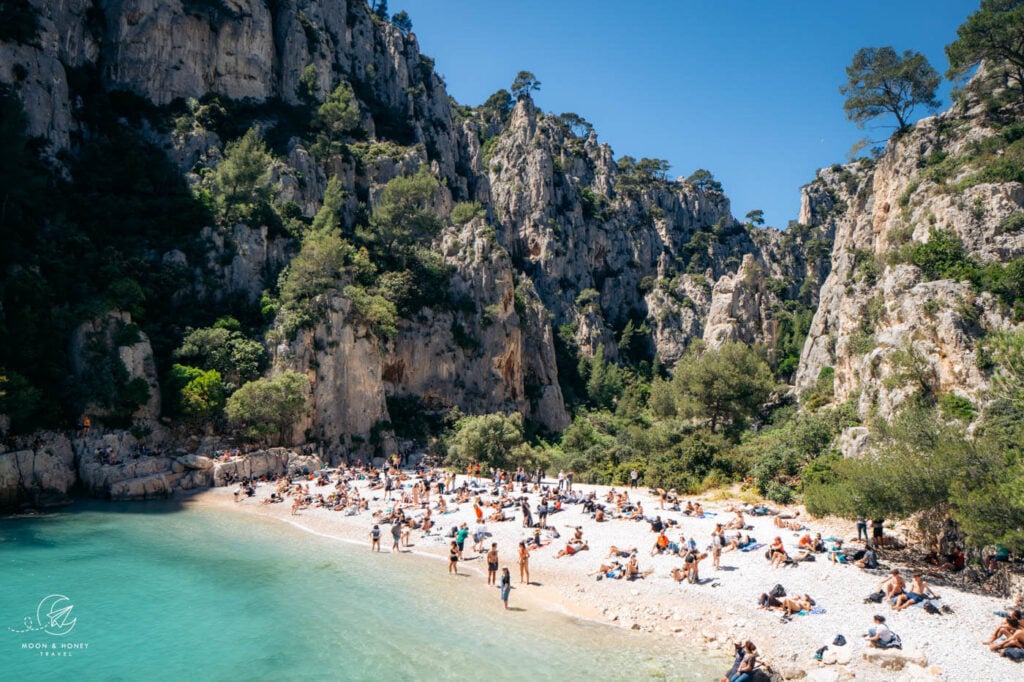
[957, 407]
[464, 211]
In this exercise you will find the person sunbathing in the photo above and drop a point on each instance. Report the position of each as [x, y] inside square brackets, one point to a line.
[777, 553]
[1015, 640]
[738, 523]
[790, 525]
[660, 544]
[572, 548]
[918, 591]
[791, 606]
[1010, 625]
[633, 571]
[893, 585]
[620, 553]
[614, 570]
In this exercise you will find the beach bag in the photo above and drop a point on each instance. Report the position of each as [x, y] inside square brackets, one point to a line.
[1014, 653]
[875, 597]
[931, 608]
[778, 592]
[895, 642]
[839, 641]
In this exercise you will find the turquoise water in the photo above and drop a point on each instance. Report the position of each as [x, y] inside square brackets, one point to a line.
[161, 591]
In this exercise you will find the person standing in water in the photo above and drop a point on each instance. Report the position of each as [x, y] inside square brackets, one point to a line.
[506, 586]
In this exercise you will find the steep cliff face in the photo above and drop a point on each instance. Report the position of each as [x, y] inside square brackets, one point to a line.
[887, 324]
[655, 251]
[572, 240]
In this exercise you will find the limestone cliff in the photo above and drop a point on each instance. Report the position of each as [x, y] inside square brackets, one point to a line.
[572, 247]
[887, 325]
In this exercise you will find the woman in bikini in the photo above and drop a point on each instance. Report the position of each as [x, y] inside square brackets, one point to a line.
[524, 563]
[453, 558]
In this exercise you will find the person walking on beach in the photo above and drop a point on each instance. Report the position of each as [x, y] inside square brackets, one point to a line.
[375, 538]
[634, 478]
[460, 539]
[506, 586]
[396, 534]
[524, 563]
[492, 564]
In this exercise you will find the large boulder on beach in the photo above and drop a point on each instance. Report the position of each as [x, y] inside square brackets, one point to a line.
[145, 488]
[196, 462]
[272, 462]
[299, 465]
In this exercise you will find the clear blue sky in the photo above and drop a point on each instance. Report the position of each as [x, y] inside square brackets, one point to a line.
[746, 89]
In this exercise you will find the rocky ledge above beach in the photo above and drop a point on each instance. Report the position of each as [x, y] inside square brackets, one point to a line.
[117, 466]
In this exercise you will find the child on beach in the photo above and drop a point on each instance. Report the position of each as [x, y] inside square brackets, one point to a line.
[375, 538]
[524, 563]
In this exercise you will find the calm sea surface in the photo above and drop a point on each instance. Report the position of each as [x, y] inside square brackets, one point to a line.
[161, 591]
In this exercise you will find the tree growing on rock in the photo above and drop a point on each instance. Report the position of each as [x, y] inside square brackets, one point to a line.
[995, 33]
[336, 118]
[880, 81]
[403, 216]
[402, 22]
[524, 85]
[704, 181]
[242, 178]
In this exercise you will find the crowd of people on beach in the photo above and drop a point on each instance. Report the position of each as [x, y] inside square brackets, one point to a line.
[418, 499]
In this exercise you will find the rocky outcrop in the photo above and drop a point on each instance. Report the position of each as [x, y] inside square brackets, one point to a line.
[242, 261]
[344, 363]
[738, 309]
[491, 353]
[108, 353]
[41, 476]
[886, 330]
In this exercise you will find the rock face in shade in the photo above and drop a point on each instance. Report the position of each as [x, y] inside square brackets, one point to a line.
[39, 476]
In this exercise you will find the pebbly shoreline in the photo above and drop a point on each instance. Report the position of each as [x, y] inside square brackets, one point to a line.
[711, 615]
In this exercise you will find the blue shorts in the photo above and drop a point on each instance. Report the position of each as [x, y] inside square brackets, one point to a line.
[914, 597]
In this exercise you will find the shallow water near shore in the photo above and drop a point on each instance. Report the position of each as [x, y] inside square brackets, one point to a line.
[165, 591]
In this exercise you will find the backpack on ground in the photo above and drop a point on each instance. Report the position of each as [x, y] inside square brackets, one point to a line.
[778, 592]
[875, 598]
[931, 608]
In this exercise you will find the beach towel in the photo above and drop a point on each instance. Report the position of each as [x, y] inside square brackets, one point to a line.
[751, 548]
[816, 611]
